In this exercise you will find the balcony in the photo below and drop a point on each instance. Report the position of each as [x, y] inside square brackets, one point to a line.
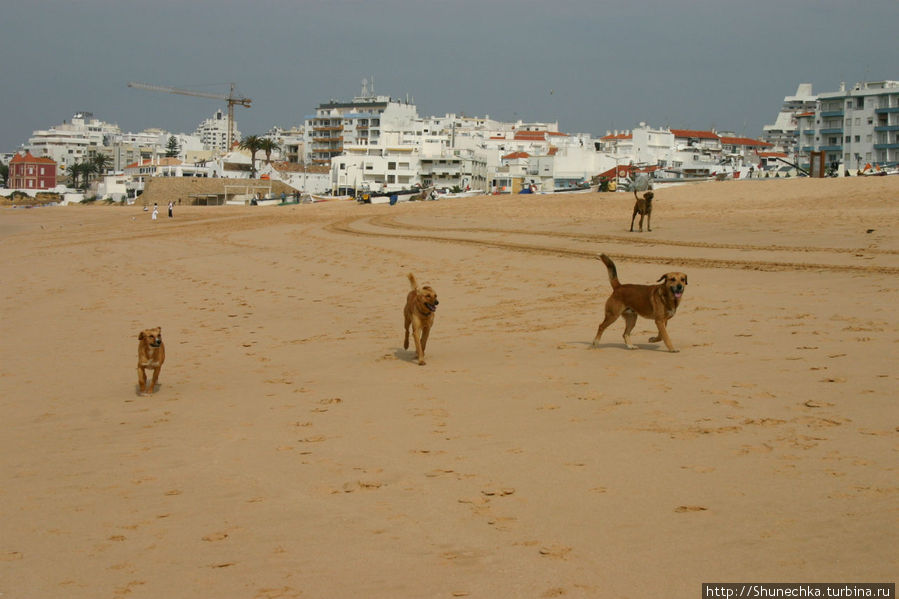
[891, 109]
[835, 131]
[832, 114]
[886, 128]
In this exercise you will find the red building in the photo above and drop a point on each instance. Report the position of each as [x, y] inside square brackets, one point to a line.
[28, 172]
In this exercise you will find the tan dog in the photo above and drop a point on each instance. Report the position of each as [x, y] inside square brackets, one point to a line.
[658, 302]
[643, 206]
[150, 354]
[421, 303]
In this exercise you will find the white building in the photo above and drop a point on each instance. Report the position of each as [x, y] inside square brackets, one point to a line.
[783, 134]
[72, 142]
[854, 126]
[213, 132]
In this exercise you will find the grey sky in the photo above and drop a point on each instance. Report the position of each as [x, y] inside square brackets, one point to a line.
[590, 65]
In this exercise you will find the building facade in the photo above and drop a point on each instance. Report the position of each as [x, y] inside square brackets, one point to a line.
[854, 127]
[72, 142]
[31, 172]
[213, 132]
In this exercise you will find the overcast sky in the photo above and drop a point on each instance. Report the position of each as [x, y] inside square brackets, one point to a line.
[591, 65]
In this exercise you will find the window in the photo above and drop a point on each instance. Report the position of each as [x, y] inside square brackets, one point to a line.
[857, 138]
[860, 103]
[391, 166]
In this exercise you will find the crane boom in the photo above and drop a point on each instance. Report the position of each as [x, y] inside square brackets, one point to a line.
[231, 99]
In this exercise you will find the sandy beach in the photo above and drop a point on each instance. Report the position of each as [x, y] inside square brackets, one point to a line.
[295, 449]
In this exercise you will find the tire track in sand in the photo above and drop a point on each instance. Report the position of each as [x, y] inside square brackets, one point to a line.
[387, 226]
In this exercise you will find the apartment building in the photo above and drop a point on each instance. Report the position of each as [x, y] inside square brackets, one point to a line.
[72, 142]
[213, 132]
[367, 120]
[783, 134]
[853, 126]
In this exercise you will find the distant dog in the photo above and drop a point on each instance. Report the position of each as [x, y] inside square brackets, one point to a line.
[421, 303]
[643, 207]
[150, 354]
[657, 302]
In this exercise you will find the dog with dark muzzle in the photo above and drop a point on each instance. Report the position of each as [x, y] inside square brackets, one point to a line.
[656, 302]
[421, 303]
[150, 355]
[643, 206]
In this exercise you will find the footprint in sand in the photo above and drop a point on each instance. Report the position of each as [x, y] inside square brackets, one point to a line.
[690, 508]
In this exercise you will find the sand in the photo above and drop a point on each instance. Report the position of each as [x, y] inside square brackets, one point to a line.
[294, 449]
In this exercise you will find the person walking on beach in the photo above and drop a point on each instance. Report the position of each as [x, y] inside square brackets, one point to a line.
[171, 208]
[155, 212]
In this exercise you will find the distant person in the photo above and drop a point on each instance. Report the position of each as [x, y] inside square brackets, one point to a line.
[171, 208]
[155, 212]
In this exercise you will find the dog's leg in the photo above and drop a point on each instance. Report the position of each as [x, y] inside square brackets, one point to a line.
[141, 380]
[152, 387]
[648, 218]
[419, 350]
[641, 222]
[633, 217]
[425, 333]
[663, 335]
[406, 339]
[630, 320]
[611, 316]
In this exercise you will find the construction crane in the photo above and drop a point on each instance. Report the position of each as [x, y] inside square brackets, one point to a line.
[231, 99]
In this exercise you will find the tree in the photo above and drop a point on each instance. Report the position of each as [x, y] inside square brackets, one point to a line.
[253, 144]
[87, 169]
[74, 172]
[268, 145]
[4, 173]
[101, 163]
[172, 149]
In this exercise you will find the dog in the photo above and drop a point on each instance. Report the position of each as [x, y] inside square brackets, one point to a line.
[658, 302]
[643, 206]
[150, 354]
[421, 303]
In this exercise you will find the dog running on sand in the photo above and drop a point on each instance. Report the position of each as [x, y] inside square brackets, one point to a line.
[657, 302]
[421, 303]
[150, 355]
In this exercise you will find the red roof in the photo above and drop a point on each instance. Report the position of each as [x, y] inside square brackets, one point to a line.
[772, 154]
[696, 134]
[516, 155]
[618, 136]
[530, 135]
[27, 157]
[743, 141]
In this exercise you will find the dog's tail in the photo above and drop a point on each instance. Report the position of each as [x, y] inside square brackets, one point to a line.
[413, 281]
[613, 272]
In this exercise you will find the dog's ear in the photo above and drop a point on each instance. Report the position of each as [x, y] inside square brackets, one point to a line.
[662, 278]
[141, 336]
[685, 280]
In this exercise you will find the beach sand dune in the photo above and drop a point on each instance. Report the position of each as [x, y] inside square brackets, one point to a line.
[294, 449]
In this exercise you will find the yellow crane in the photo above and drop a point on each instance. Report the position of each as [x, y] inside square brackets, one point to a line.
[231, 99]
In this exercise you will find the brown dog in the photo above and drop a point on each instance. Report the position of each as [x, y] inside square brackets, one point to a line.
[150, 354]
[421, 303]
[643, 206]
[658, 302]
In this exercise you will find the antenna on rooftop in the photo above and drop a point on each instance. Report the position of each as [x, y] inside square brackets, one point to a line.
[364, 87]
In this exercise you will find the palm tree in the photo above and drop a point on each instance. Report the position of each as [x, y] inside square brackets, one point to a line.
[101, 163]
[87, 169]
[253, 143]
[74, 172]
[268, 145]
